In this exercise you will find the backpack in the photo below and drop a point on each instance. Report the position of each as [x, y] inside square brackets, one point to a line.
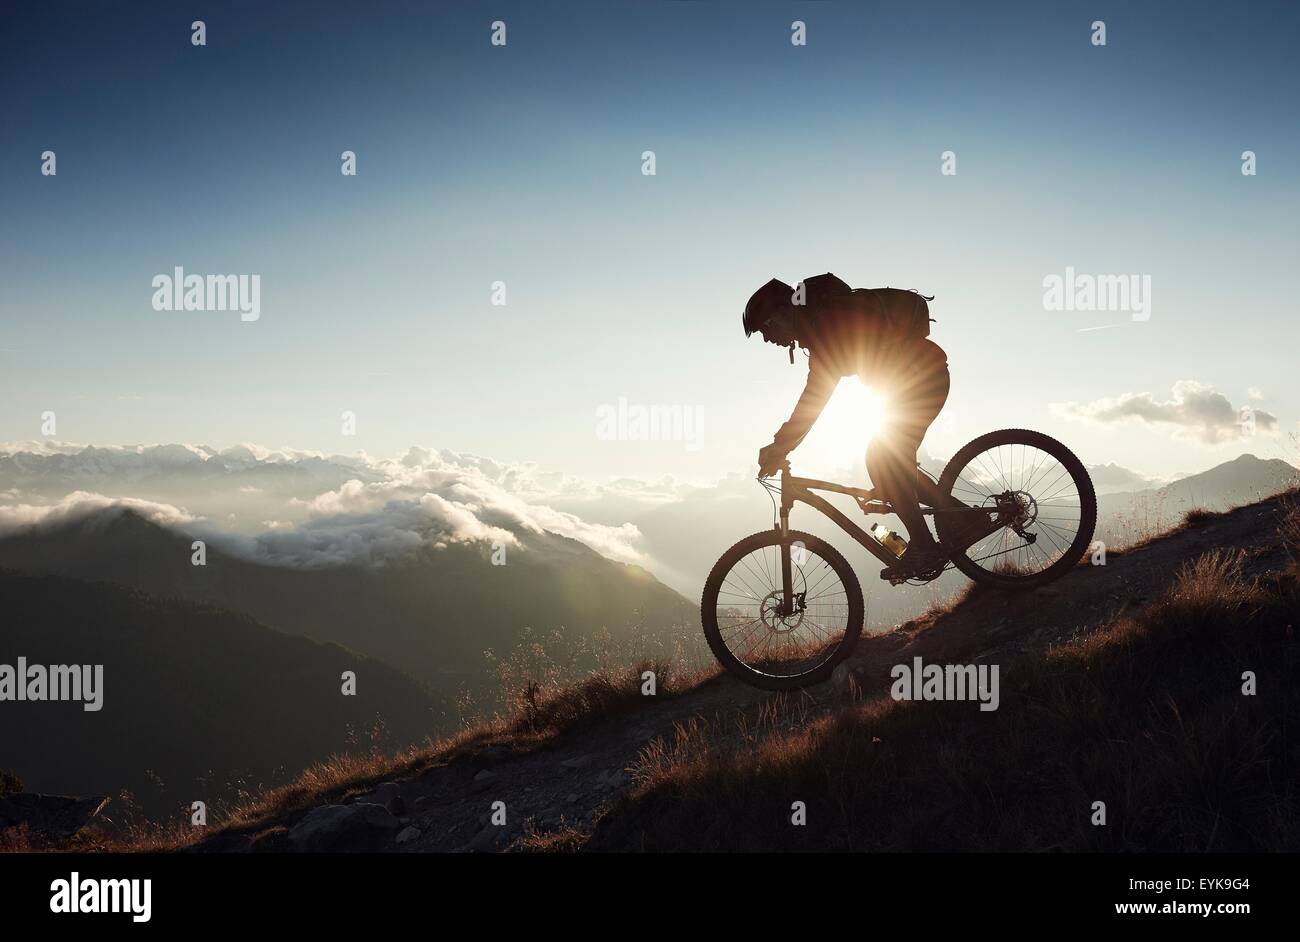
[813, 296]
[819, 292]
[901, 314]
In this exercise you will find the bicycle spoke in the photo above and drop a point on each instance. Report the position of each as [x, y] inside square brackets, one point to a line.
[1032, 489]
[751, 627]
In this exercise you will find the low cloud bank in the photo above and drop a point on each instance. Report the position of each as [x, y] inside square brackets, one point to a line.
[1195, 410]
[382, 509]
[82, 505]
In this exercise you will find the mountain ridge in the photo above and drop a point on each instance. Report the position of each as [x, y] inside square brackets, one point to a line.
[432, 612]
[195, 699]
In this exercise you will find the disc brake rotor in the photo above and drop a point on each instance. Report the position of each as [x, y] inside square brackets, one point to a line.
[770, 613]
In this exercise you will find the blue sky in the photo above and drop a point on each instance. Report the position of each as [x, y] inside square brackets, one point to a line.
[522, 164]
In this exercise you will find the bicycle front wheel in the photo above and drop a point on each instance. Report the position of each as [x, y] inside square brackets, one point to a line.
[743, 623]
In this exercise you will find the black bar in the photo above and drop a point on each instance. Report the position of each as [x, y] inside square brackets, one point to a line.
[384, 891]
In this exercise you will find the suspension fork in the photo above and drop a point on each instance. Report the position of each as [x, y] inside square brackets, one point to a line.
[787, 579]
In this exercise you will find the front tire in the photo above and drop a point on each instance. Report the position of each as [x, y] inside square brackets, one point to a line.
[758, 645]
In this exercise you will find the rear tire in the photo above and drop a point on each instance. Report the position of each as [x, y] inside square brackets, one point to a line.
[1067, 548]
[758, 574]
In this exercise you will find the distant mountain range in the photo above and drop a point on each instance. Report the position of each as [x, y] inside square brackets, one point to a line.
[196, 702]
[111, 469]
[432, 614]
[1112, 478]
[1243, 480]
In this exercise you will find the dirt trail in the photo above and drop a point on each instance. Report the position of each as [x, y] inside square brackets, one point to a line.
[571, 782]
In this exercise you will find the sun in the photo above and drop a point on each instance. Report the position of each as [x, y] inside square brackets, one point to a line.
[841, 434]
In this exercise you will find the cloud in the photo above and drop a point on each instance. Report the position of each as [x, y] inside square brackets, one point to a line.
[467, 498]
[306, 508]
[39, 447]
[390, 532]
[81, 504]
[1196, 411]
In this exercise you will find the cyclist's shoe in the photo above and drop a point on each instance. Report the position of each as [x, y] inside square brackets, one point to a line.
[917, 563]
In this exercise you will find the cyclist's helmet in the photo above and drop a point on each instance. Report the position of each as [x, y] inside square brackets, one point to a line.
[763, 303]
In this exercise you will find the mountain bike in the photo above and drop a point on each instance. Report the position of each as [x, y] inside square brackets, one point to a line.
[1013, 509]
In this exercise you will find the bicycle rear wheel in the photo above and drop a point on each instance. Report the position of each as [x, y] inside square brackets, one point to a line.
[747, 633]
[1039, 496]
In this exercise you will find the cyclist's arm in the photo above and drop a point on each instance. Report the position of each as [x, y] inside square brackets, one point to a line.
[816, 393]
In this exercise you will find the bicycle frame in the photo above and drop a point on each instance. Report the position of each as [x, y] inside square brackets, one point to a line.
[804, 489]
[795, 489]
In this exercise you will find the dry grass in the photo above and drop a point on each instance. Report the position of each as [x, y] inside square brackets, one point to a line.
[544, 665]
[551, 711]
[1143, 535]
[547, 692]
[331, 780]
[1146, 520]
[941, 605]
[19, 840]
[1147, 715]
[566, 838]
[553, 683]
[1289, 525]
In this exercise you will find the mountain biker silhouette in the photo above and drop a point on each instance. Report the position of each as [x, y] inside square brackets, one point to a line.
[845, 335]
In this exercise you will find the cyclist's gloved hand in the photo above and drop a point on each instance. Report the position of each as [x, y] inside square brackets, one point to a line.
[770, 458]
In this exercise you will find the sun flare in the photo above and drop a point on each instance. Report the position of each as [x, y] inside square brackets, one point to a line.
[841, 434]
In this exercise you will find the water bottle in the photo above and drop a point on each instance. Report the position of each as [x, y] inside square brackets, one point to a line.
[889, 539]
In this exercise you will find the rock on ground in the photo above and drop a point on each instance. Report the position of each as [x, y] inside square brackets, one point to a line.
[407, 834]
[363, 826]
[58, 816]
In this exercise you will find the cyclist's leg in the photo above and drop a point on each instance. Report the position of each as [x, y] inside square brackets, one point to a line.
[892, 481]
[915, 400]
[928, 493]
